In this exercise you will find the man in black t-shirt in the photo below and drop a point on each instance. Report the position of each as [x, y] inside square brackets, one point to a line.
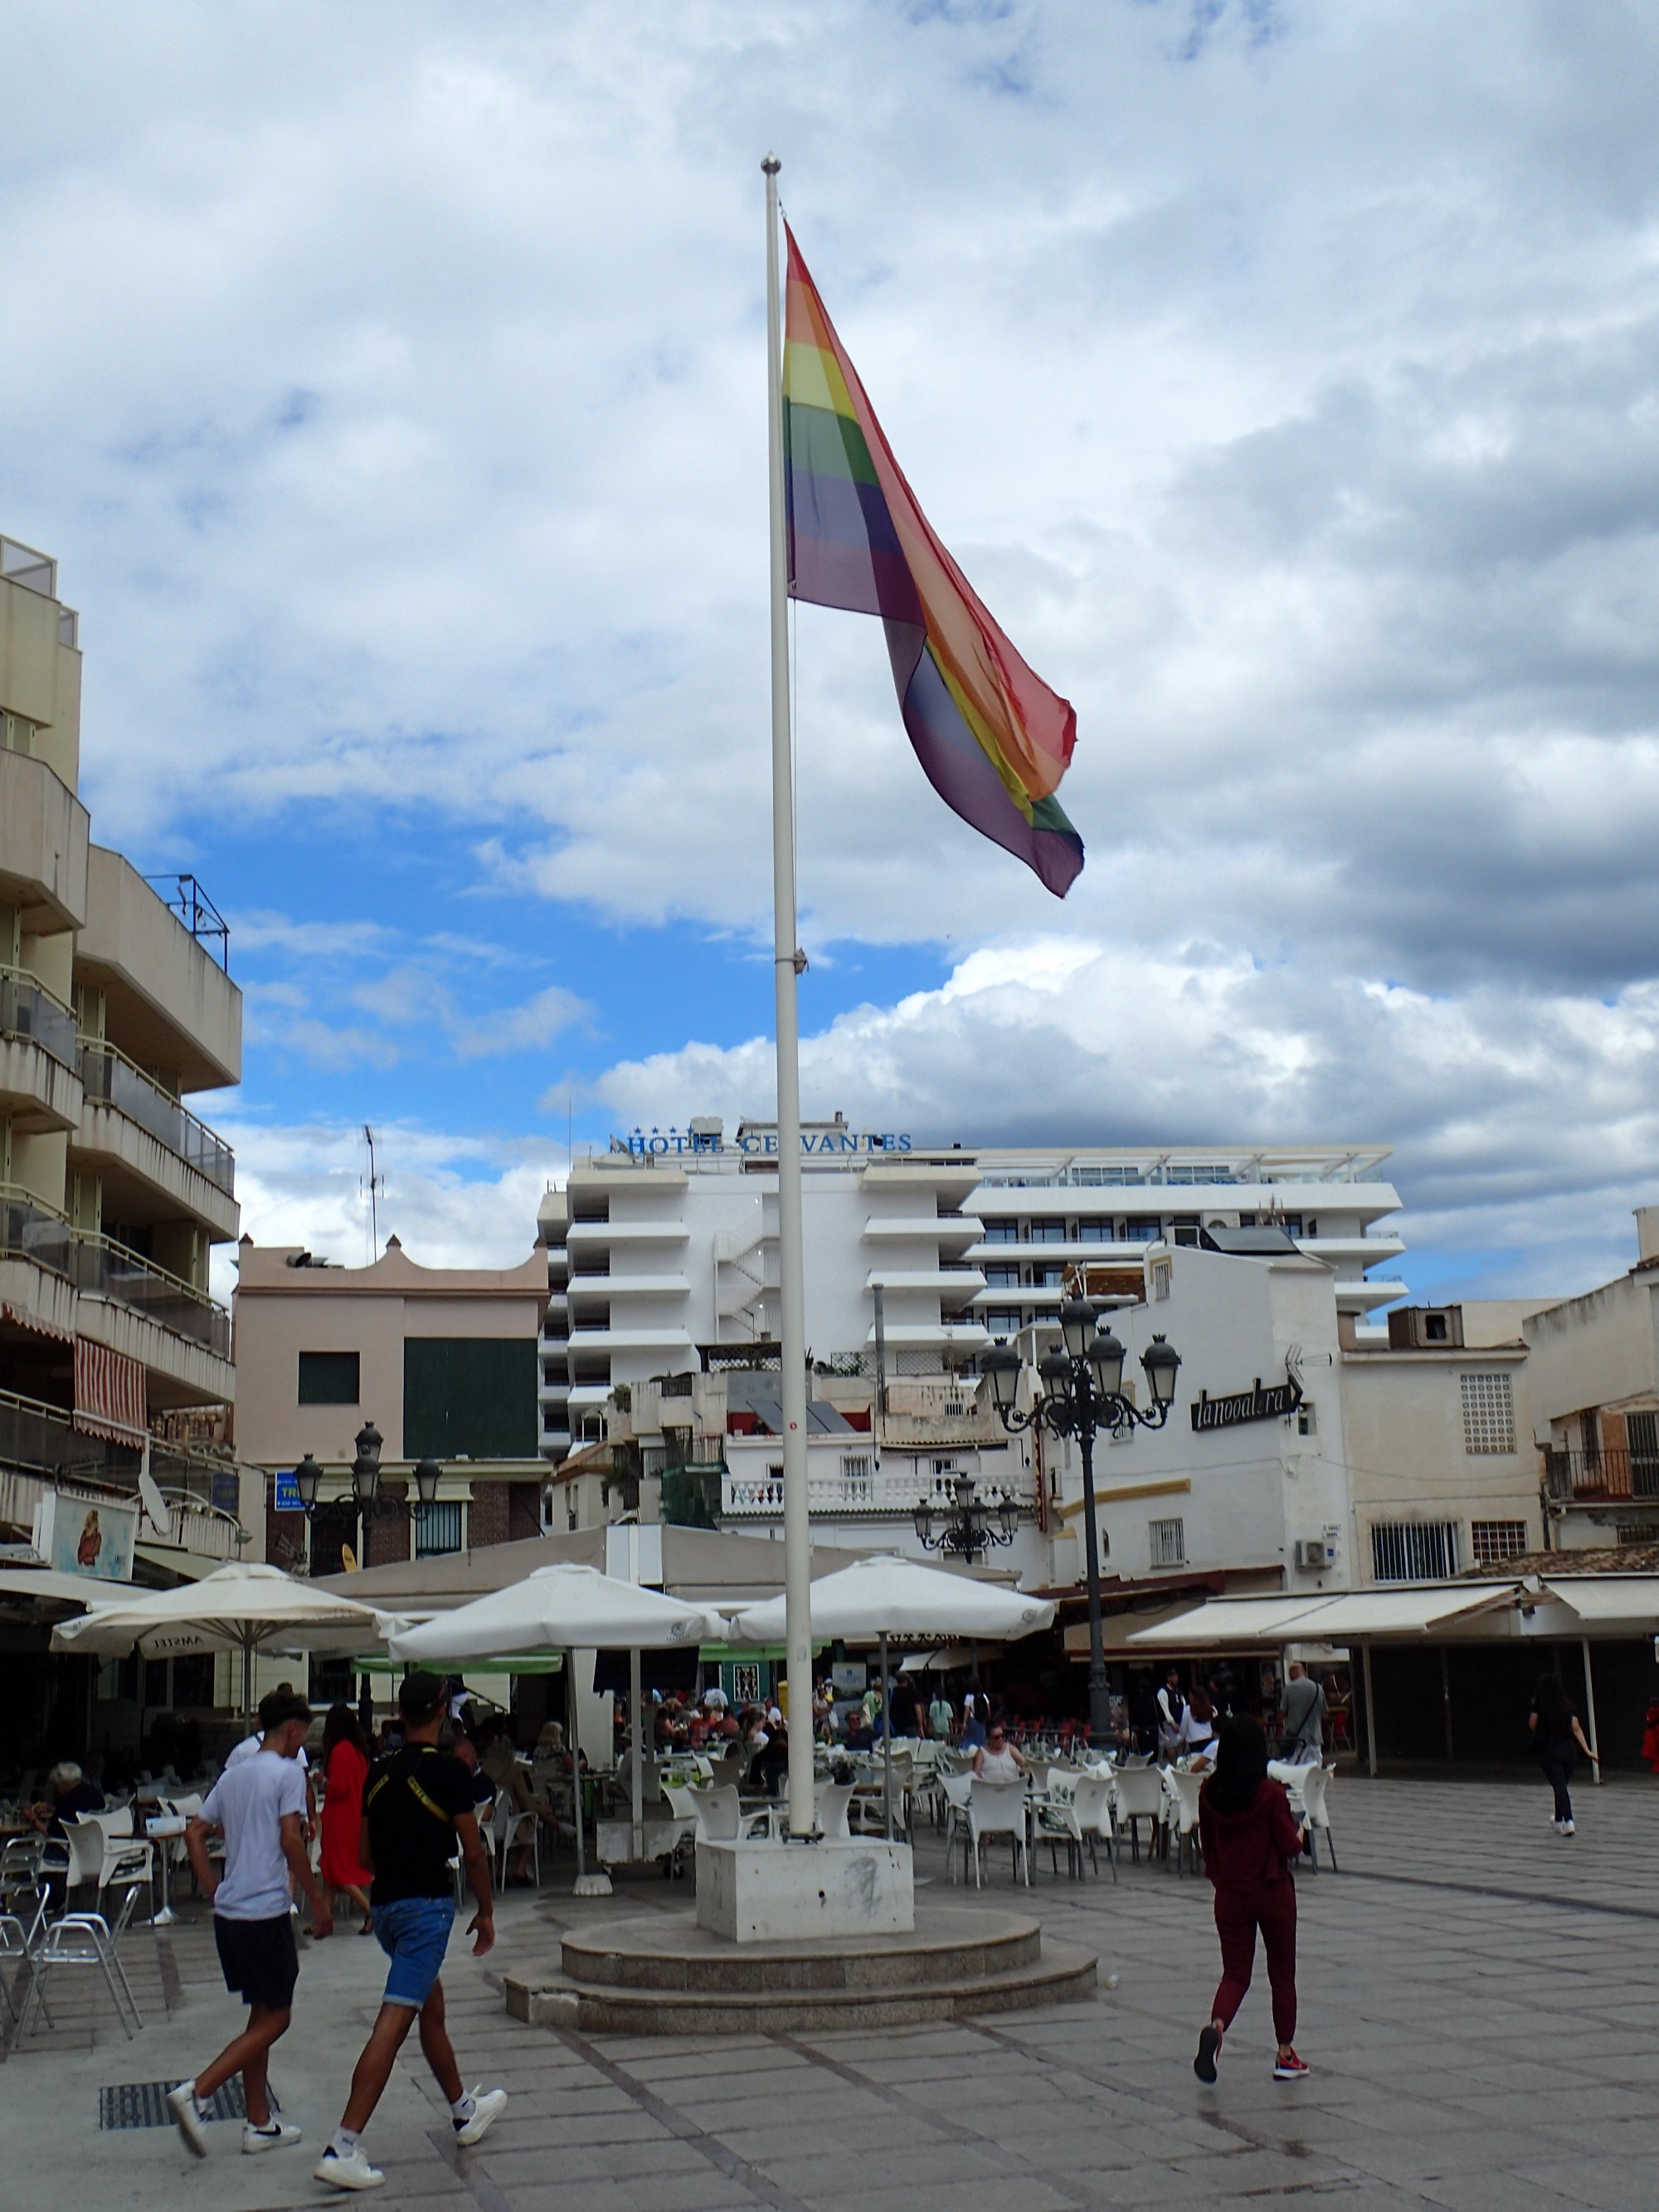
[418, 1813]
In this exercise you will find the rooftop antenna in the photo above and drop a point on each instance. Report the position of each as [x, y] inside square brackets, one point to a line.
[374, 1183]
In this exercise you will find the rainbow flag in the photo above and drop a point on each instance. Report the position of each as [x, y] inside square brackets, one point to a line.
[993, 739]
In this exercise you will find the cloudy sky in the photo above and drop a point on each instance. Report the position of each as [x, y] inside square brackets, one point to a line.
[389, 383]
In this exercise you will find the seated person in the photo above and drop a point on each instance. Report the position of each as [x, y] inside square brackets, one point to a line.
[500, 1762]
[72, 1794]
[483, 1790]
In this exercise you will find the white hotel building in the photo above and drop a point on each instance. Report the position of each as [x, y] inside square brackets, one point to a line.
[666, 1248]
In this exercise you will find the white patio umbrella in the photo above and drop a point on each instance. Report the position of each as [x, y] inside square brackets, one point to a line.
[892, 1597]
[567, 1608]
[242, 1607]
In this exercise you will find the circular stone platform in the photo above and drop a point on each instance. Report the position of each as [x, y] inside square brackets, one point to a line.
[661, 1976]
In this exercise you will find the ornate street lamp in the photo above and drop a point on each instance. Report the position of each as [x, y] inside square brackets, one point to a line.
[1081, 1394]
[969, 1528]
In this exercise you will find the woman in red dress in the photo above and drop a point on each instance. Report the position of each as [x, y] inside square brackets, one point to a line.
[345, 1765]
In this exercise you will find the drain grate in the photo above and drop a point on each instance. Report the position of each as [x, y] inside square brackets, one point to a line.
[144, 2104]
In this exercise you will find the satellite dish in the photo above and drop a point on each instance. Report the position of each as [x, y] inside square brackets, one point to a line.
[150, 1497]
[348, 1559]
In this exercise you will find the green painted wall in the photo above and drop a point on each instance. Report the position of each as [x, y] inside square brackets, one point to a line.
[470, 1395]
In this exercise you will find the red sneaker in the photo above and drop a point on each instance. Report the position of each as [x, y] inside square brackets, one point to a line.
[1291, 2068]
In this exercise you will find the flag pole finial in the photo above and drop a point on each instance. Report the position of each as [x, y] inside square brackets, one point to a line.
[770, 166]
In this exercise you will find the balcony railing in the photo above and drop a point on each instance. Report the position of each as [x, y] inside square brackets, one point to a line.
[107, 1074]
[30, 1230]
[887, 1490]
[108, 1270]
[1611, 1472]
[29, 1010]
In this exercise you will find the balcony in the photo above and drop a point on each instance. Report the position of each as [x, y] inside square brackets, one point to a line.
[180, 1335]
[167, 1001]
[1610, 1476]
[584, 1236]
[39, 1087]
[893, 1489]
[43, 846]
[41, 1449]
[157, 1159]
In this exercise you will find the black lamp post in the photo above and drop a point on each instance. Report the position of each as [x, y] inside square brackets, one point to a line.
[365, 1497]
[969, 1528]
[1081, 1396]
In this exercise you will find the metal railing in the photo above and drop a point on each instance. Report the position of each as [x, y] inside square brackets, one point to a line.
[184, 896]
[1612, 1471]
[29, 1010]
[30, 1230]
[107, 1074]
[108, 1270]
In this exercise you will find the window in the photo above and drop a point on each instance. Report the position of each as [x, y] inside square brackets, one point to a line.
[1162, 1270]
[1048, 1232]
[1488, 1413]
[1005, 1321]
[1167, 1541]
[438, 1529]
[1185, 1229]
[329, 1378]
[856, 1467]
[1414, 1550]
[1434, 1328]
[1492, 1541]
[1002, 1232]
[1048, 1278]
[1198, 1171]
[1142, 1232]
[1002, 1279]
[1094, 1232]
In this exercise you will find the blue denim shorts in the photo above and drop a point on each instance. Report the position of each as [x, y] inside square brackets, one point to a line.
[414, 1933]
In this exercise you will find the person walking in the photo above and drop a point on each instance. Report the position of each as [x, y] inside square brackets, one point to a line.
[1248, 1839]
[1303, 1718]
[941, 1717]
[418, 1811]
[345, 1770]
[1557, 1739]
[259, 1804]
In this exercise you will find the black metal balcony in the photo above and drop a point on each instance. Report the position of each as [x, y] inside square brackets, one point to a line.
[1587, 1477]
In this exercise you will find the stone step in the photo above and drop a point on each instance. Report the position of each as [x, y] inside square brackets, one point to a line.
[949, 1944]
[1063, 1973]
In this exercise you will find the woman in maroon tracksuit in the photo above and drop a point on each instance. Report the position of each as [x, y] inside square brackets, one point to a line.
[1249, 1837]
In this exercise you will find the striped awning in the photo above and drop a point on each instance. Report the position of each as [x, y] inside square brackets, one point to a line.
[109, 1394]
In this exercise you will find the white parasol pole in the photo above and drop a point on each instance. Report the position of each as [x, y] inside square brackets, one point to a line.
[787, 963]
[886, 1740]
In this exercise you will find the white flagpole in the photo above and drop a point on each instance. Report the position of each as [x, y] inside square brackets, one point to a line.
[786, 967]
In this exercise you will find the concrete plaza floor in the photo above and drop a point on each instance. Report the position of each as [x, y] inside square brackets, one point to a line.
[1480, 2005]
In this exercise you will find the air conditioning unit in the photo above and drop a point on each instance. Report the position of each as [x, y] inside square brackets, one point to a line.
[1314, 1553]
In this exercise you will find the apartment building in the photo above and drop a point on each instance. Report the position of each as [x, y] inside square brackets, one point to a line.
[1595, 1403]
[116, 1008]
[668, 1244]
[442, 1361]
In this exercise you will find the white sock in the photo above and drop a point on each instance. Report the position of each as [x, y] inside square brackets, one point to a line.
[345, 2141]
[463, 2107]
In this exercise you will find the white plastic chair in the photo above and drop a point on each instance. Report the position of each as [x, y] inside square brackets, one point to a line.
[831, 1803]
[1315, 1784]
[1183, 1792]
[131, 1862]
[85, 1834]
[718, 1815]
[953, 1796]
[998, 1808]
[1079, 1809]
[1139, 1796]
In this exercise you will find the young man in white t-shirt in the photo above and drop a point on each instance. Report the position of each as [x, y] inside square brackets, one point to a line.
[259, 1804]
[251, 1746]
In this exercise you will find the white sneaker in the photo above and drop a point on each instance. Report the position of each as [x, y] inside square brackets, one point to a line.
[1568, 1829]
[353, 2172]
[187, 2117]
[490, 2104]
[254, 2140]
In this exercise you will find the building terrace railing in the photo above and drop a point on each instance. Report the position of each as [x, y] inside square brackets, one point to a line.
[29, 1010]
[1612, 1473]
[105, 1269]
[31, 1231]
[107, 1074]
